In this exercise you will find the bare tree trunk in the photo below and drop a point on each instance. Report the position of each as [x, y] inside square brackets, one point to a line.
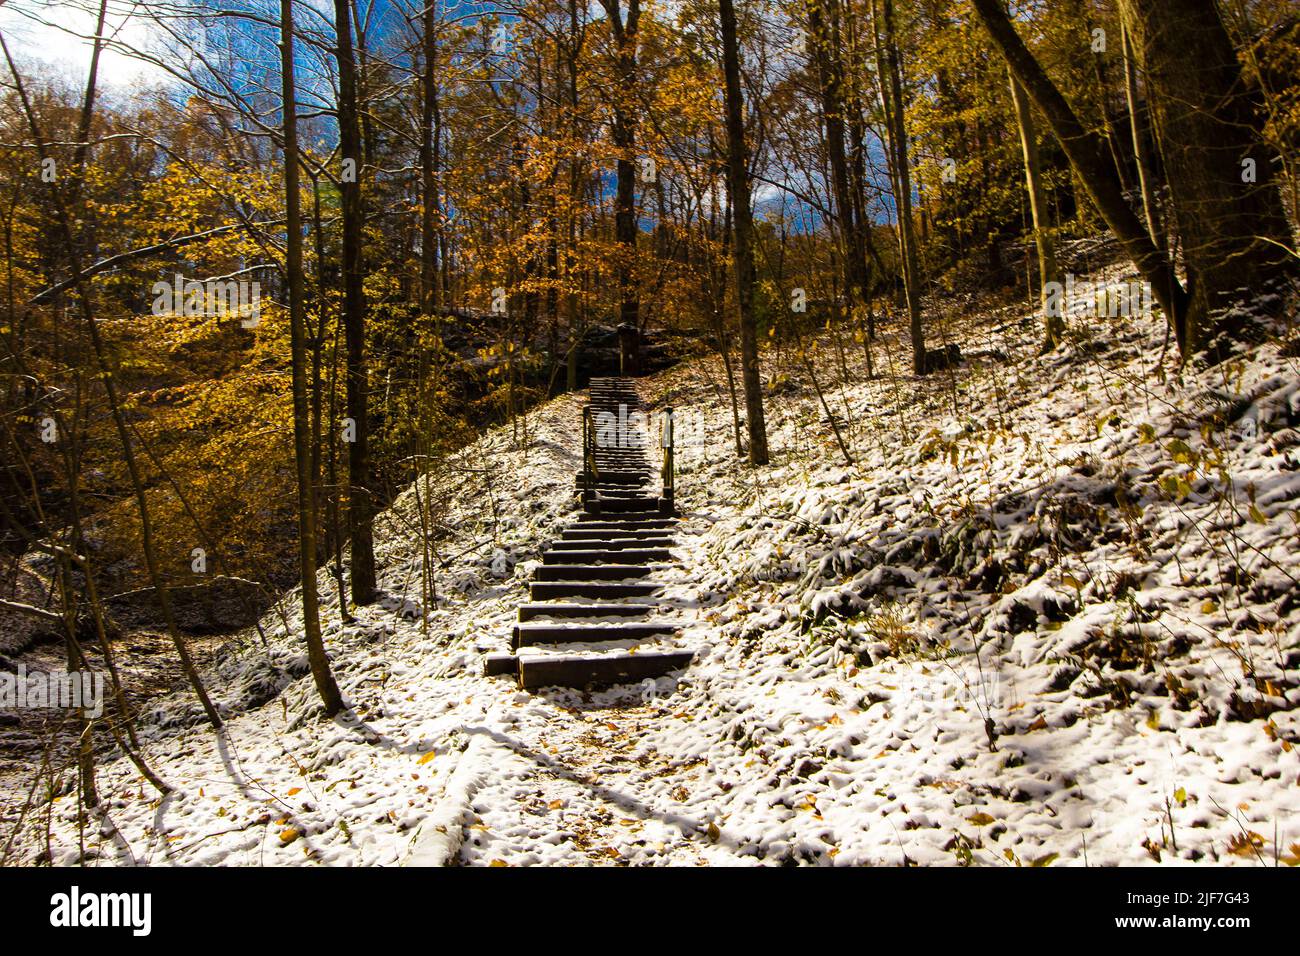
[1091, 159]
[1231, 224]
[743, 223]
[1052, 324]
[571, 306]
[320, 667]
[888, 71]
[625, 136]
[824, 26]
[429, 135]
[1139, 130]
[360, 501]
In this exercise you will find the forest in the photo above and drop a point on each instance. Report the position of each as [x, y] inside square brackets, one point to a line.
[302, 302]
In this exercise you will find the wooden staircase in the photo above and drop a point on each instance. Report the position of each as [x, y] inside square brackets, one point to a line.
[595, 584]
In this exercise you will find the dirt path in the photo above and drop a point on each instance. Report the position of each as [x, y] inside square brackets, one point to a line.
[585, 788]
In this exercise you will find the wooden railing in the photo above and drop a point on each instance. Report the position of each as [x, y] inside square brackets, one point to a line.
[667, 475]
[590, 473]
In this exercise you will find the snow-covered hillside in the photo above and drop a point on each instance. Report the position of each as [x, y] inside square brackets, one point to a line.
[1048, 615]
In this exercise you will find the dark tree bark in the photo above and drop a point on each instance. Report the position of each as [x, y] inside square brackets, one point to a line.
[320, 668]
[577, 327]
[360, 502]
[1052, 324]
[1139, 131]
[625, 136]
[889, 72]
[1233, 231]
[1090, 156]
[823, 22]
[430, 160]
[743, 225]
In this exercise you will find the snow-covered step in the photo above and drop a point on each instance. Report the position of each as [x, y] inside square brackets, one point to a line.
[529, 612]
[526, 635]
[629, 476]
[607, 493]
[576, 670]
[591, 531]
[599, 590]
[498, 665]
[600, 543]
[638, 505]
[591, 572]
[636, 519]
[610, 556]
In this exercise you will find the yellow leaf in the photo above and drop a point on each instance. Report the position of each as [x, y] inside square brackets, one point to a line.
[1247, 844]
[429, 756]
[288, 836]
[980, 819]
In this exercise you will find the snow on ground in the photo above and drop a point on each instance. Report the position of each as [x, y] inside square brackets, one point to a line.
[1046, 616]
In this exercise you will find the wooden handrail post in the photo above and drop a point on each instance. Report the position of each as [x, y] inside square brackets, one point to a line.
[667, 475]
[588, 456]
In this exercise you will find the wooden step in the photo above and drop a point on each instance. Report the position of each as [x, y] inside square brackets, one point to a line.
[633, 519]
[610, 492]
[496, 665]
[612, 544]
[630, 526]
[629, 477]
[640, 506]
[564, 670]
[598, 590]
[529, 612]
[528, 635]
[591, 572]
[612, 556]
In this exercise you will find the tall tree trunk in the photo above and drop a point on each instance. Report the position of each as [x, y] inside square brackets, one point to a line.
[429, 135]
[1233, 230]
[320, 668]
[625, 137]
[576, 327]
[1139, 130]
[823, 22]
[743, 222]
[1090, 157]
[888, 70]
[360, 502]
[1052, 324]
